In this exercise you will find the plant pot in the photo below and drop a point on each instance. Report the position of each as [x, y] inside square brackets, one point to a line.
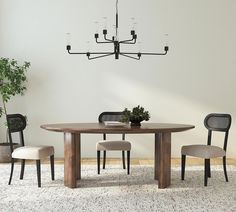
[135, 121]
[5, 152]
[135, 124]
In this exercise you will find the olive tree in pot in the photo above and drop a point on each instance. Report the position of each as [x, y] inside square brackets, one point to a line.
[12, 82]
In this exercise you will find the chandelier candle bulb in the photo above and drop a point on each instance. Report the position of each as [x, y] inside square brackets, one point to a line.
[166, 39]
[96, 26]
[132, 22]
[139, 46]
[68, 38]
[105, 22]
[135, 26]
[88, 46]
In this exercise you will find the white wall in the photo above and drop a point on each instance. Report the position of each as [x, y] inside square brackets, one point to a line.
[195, 78]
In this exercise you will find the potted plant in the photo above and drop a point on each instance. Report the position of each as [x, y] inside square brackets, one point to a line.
[136, 116]
[12, 82]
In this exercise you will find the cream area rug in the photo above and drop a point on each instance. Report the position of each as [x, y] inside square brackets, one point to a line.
[115, 191]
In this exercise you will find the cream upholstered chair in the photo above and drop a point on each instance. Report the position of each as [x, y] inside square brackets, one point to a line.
[112, 145]
[213, 122]
[17, 123]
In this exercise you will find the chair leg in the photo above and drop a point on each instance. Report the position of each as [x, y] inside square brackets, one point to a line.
[98, 161]
[12, 168]
[104, 159]
[123, 159]
[209, 169]
[22, 169]
[52, 167]
[224, 166]
[128, 161]
[183, 160]
[38, 172]
[206, 171]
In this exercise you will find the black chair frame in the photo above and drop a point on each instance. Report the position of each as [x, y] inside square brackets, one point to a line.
[207, 164]
[17, 123]
[116, 117]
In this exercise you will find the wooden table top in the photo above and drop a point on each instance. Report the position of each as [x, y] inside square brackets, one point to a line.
[101, 128]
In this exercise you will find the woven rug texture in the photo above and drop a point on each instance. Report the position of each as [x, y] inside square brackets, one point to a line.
[115, 191]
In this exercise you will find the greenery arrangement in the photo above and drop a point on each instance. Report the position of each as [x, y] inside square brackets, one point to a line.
[12, 80]
[137, 115]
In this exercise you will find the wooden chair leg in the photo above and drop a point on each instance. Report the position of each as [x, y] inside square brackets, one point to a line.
[38, 172]
[224, 166]
[22, 169]
[104, 159]
[98, 161]
[128, 161]
[206, 171]
[52, 167]
[123, 159]
[183, 160]
[12, 168]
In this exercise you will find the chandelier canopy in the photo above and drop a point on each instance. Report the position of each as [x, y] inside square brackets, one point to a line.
[117, 44]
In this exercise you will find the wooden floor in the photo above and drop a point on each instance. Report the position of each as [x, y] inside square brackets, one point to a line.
[174, 161]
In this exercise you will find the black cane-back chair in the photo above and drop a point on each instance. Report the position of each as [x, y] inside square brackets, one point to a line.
[213, 122]
[16, 124]
[112, 145]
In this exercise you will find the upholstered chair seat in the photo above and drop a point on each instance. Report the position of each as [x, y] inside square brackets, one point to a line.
[203, 151]
[113, 145]
[33, 152]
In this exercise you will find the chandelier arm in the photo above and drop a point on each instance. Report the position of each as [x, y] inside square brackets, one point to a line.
[76, 52]
[153, 53]
[100, 53]
[103, 41]
[90, 53]
[146, 53]
[105, 37]
[125, 41]
[125, 55]
[105, 55]
[129, 42]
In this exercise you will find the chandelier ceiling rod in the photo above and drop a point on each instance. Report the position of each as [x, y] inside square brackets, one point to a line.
[115, 41]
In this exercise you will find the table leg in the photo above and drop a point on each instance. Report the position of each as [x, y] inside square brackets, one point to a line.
[78, 157]
[156, 158]
[72, 159]
[163, 159]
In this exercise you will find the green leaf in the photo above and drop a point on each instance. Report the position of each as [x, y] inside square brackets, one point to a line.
[138, 113]
[12, 78]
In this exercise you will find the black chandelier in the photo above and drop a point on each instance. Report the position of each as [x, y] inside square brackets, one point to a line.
[117, 43]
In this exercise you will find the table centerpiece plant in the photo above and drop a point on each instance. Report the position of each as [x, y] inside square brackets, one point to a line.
[135, 116]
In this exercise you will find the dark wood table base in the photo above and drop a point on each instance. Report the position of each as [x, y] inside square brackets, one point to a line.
[72, 161]
[72, 147]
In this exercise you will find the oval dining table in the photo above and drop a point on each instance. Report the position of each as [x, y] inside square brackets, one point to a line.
[72, 147]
